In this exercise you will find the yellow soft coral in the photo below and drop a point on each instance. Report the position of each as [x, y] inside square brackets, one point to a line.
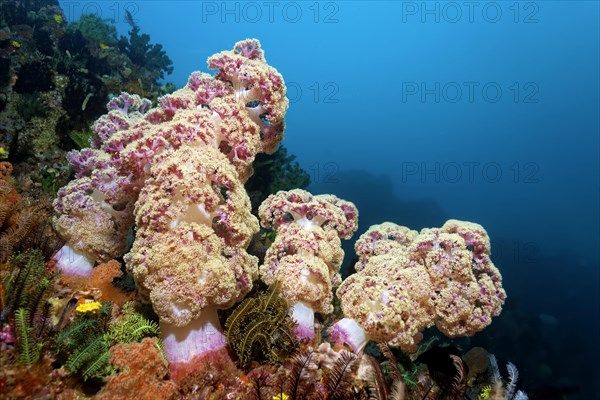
[88, 307]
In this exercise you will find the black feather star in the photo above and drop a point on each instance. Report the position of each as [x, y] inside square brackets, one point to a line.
[340, 378]
[300, 363]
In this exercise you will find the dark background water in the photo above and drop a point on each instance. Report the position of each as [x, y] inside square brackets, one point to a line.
[423, 111]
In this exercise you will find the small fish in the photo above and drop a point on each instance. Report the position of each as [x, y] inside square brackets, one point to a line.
[129, 19]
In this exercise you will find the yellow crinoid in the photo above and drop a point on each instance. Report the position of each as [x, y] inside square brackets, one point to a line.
[485, 392]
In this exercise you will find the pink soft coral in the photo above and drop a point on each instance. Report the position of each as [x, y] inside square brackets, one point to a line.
[307, 254]
[95, 211]
[176, 174]
[408, 282]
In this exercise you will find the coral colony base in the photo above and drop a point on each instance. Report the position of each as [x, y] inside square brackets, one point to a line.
[172, 179]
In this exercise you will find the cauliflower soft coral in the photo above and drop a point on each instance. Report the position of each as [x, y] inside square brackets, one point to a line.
[380, 239]
[443, 277]
[94, 216]
[238, 112]
[306, 254]
[196, 184]
[176, 173]
[467, 286]
[257, 87]
[194, 222]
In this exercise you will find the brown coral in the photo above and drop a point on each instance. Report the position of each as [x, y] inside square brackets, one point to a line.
[23, 223]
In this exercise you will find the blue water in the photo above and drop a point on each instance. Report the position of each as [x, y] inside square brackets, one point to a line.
[419, 112]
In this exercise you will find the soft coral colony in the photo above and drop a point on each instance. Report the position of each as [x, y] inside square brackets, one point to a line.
[175, 175]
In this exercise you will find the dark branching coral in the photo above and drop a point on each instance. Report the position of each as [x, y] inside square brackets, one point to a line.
[34, 77]
[275, 172]
[19, 12]
[29, 86]
[260, 328]
[96, 64]
[145, 55]
[85, 93]
[94, 28]
[55, 77]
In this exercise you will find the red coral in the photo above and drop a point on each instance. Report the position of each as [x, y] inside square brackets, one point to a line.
[142, 372]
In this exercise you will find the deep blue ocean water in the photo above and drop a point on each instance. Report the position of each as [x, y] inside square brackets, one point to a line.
[423, 111]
